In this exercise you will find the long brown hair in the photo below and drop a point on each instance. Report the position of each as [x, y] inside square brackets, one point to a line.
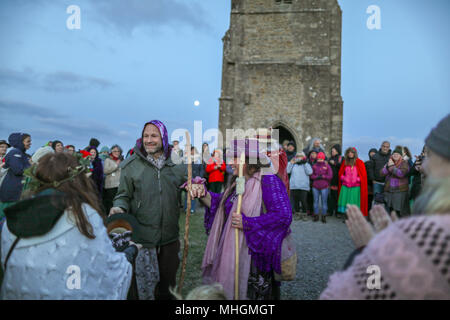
[55, 167]
[348, 161]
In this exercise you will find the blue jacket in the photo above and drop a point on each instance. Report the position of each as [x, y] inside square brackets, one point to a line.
[299, 176]
[16, 162]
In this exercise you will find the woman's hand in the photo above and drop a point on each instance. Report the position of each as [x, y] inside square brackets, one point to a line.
[360, 230]
[390, 162]
[236, 221]
[380, 218]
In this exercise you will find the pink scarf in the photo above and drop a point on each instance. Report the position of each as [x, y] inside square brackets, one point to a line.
[219, 260]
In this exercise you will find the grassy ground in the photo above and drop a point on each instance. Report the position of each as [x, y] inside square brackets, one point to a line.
[197, 245]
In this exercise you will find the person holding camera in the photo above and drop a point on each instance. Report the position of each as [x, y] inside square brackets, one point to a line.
[299, 183]
[417, 174]
[216, 171]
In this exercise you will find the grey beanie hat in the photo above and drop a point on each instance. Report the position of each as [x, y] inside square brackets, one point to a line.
[439, 138]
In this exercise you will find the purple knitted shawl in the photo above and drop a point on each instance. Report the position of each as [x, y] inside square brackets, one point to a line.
[264, 234]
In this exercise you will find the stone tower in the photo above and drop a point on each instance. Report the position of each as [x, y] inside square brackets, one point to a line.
[282, 69]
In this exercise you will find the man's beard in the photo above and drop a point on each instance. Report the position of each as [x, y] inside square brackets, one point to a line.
[153, 150]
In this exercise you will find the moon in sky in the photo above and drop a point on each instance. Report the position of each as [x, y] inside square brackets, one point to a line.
[196, 103]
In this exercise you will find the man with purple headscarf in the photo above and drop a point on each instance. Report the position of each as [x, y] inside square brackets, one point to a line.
[149, 190]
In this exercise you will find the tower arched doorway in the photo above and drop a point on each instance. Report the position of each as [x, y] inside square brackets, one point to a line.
[284, 134]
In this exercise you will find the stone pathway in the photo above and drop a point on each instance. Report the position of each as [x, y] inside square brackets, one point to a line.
[322, 249]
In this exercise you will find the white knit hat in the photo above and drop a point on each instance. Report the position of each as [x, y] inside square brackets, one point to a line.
[41, 152]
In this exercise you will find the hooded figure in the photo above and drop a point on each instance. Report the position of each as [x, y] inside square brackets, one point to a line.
[16, 161]
[149, 190]
[97, 170]
[368, 164]
[335, 163]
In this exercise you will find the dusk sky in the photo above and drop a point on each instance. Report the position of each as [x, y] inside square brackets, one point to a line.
[134, 61]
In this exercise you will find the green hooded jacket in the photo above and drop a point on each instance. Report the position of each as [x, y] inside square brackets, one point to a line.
[152, 196]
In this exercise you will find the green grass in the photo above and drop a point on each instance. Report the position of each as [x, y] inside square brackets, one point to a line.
[197, 245]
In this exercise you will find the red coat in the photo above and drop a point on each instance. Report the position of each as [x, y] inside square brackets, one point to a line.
[364, 197]
[215, 175]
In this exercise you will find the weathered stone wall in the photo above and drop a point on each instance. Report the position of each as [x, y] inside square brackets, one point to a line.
[282, 66]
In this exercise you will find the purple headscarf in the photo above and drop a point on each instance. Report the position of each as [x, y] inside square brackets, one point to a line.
[164, 137]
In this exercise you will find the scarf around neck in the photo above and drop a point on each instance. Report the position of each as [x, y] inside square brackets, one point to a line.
[159, 162]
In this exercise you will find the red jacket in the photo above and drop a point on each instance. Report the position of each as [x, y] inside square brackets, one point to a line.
[364, 200]
[215, 175]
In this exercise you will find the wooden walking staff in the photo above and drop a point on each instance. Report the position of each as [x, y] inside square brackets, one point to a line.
[240, 188]
[188, 212]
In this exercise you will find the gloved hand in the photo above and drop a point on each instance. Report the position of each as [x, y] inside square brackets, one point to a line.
[122, 243]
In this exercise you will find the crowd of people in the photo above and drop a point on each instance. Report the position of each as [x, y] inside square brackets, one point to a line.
[55, 204]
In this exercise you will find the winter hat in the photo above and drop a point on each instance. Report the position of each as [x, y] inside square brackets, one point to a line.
[398, 150]
[439, 138]
[249, 146]
[42, 151]
[321, 155]
[372, 150]
[313, 150]
[104, 149]
[4, 142]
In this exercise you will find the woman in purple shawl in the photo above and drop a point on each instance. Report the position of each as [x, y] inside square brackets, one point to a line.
[264, 223]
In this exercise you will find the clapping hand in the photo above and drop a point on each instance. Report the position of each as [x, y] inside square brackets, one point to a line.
[360, 230]
[381, 218]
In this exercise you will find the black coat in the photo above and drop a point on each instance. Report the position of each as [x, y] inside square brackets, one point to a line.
[335, 167]
[416, 185]
[375, 165]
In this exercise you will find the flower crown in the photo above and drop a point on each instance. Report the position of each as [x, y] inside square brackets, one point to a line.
[35, 183]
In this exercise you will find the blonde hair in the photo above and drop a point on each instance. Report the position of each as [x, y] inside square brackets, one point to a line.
[205, 292]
